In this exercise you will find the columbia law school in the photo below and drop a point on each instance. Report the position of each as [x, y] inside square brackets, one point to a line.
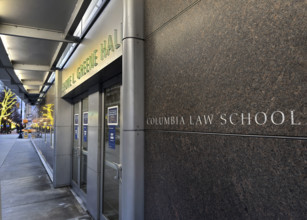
[186, 110]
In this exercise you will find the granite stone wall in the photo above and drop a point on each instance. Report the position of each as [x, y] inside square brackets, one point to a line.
[225, 105]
